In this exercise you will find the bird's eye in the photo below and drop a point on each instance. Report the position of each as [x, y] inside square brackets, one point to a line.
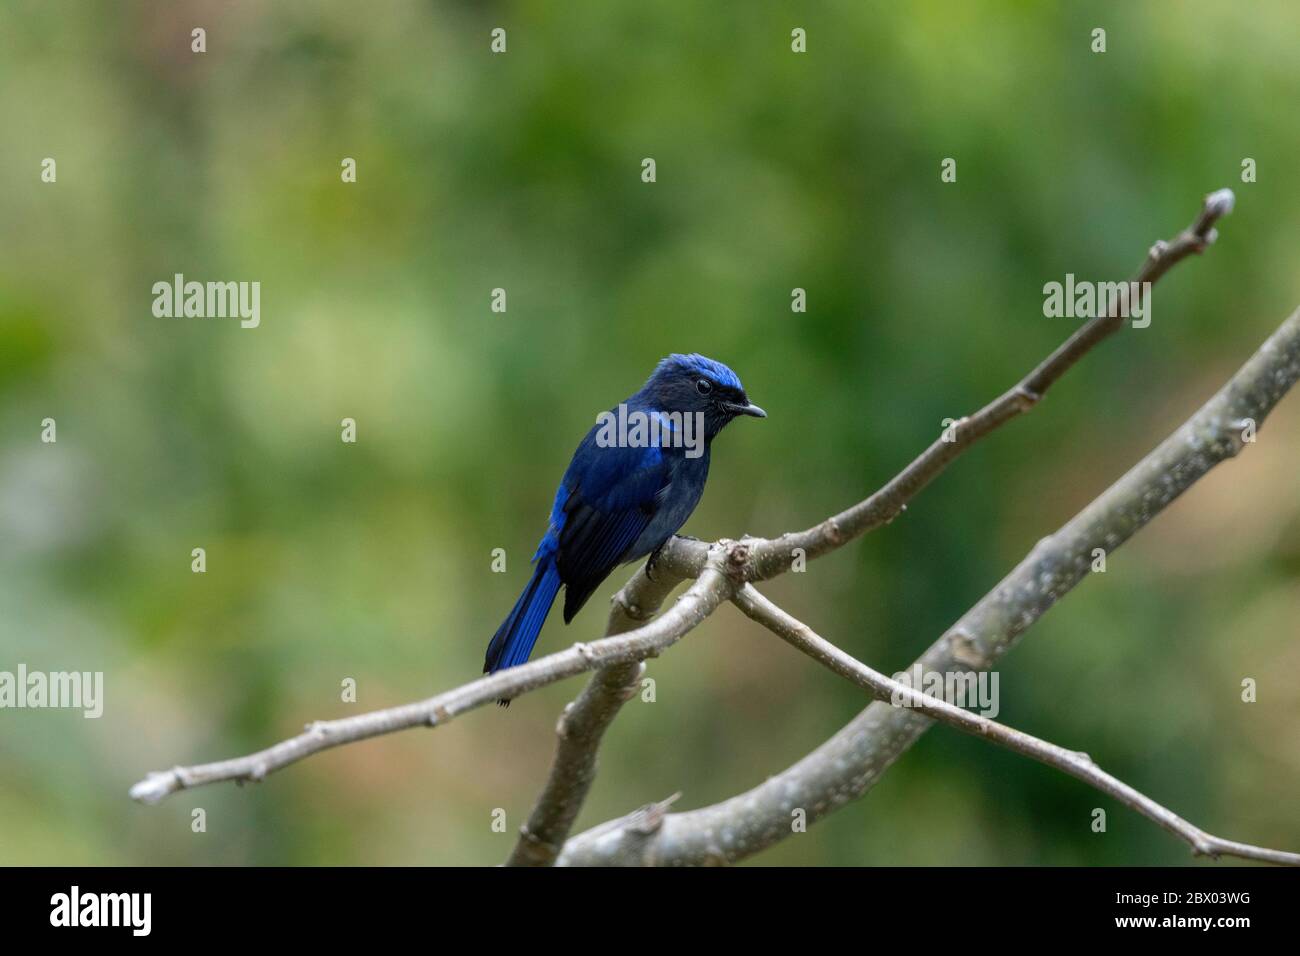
[703, 386]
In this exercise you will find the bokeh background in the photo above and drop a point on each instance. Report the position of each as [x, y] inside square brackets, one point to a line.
[522, 171]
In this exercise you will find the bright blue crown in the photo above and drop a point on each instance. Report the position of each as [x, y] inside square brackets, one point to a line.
[701, 365]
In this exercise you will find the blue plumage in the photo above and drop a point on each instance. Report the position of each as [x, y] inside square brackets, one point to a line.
[624, 493]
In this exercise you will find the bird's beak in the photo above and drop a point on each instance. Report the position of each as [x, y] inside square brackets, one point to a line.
[753, 411]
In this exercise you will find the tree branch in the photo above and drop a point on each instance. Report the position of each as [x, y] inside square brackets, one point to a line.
[579, 729]
[712, 587]
[774, 557]
[1076, 764]
[584, 722]
[847, 765]
[617, 657]
[562, 798]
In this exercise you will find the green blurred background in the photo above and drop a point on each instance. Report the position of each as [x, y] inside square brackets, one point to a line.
[522, 171]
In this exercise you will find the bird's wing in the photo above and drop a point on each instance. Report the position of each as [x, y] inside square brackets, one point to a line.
[613, 493]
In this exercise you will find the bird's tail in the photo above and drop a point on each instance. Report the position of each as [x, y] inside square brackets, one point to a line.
[514, 639]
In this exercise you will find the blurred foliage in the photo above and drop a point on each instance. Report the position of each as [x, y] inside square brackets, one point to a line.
[521, 171]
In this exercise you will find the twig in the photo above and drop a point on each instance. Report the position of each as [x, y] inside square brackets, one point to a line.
[1076, 764]
[711, 588]
[775, 556]
[849, 764]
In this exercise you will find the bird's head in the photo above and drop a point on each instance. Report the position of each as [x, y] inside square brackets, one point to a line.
[693, 383]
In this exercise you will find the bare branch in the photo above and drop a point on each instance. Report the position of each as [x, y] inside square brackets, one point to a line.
[774, 556]
[617, 657]
[1076, 764]
[562, 798]
[847, 765]
[584, 721]
[579, 729]
[711, 588]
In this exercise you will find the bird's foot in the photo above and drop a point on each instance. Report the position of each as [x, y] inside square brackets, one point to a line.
[652, 561]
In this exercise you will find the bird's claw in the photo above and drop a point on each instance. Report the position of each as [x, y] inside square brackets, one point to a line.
[652, 561]
[658, 552]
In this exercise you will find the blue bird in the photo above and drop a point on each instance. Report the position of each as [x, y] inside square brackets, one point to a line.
[634, 480]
